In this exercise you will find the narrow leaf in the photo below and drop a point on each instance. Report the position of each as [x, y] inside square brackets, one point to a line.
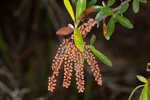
[135, 6]
[110, 27]
[101, 56]
[143, 1]
[106, 11]
[93, 38]
[133, 91]
[81, 5]
[69, 9]
[91, 3]
[124, 22]
[144, 94]
[110, 2]
[142, 79]
[123, 9]
[78, 40]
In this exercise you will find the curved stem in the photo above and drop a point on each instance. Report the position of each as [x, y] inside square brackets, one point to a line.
[134, 91]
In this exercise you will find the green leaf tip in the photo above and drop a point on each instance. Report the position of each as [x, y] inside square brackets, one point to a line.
[124, 21]
[142, 79]
[135, 6]
[81, 6]
[101, 56]
[69, 9]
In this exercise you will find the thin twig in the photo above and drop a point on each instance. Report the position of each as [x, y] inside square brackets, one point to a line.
[114, 10]
[123, 3]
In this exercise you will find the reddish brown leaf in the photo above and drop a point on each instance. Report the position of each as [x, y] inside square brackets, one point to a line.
[85, 13]
[64, 31]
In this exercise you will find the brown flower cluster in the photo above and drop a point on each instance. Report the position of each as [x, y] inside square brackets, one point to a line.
[73, 60]
[86, 27]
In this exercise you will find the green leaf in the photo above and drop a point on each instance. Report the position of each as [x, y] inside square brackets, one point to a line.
[143, 1]
[124, 22]
[93, 38]
[133, 91]
[78, 40]
[144, 94]
[106, 11]
[99, 15]
[123, 8]
[142, 79]
[110, 2]
[81, 5]
[101, 56]
[135, 6]
[110, 27]
[91, 3]
[148, 67]
[74, 2]
[69, 9]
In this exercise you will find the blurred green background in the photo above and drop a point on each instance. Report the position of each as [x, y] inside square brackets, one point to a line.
[28, 44]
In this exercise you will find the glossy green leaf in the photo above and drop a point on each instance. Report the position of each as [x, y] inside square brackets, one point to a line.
[106, 11]
[110, 27]
[101, 56]
[81, 5]
[142, 79]
[133, 91]
[110, 2]
[124, 22]
[99, 15]
[135, 6]
[69, 9]
[148, 67]
[91, 3]
[143, 1]
[123, 8]
[93, 38]
[144, 93]
[78, 40]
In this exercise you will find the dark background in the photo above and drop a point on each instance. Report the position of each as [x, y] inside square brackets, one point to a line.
[28, 43]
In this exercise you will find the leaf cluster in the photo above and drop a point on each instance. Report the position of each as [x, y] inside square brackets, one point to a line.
[102, 11]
